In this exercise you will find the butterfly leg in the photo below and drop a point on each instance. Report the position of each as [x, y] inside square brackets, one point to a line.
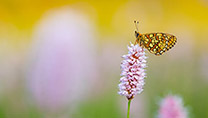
[135, 42]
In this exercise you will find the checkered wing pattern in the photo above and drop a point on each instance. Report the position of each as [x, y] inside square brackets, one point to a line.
[158, 43]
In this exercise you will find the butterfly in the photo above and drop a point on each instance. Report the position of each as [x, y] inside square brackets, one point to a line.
[156, 43]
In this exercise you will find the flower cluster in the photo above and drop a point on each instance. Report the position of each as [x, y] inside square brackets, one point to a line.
[133, 73]
[172, 107]
[59, 55]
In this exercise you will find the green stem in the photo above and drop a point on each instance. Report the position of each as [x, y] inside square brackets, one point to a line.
[128, 112]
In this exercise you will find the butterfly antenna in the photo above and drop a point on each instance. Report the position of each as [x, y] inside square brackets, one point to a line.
[136, 25]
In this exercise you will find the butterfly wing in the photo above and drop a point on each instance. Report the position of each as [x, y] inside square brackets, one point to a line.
[158, 43]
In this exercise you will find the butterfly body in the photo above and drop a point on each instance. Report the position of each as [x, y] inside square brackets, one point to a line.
[156, 43]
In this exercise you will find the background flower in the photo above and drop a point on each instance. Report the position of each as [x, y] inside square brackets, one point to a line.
[172, 107]
[63, 60]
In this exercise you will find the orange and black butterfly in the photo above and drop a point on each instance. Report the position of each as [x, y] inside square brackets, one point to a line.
[156, 43]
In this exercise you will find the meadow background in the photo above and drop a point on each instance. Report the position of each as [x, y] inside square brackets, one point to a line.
[61, 58]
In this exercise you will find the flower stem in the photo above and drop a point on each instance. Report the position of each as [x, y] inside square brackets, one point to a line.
[128, 112]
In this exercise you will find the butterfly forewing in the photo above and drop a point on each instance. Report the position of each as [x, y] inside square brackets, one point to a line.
[158, 43]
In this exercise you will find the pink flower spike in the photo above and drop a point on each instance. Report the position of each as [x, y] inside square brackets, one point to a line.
[132, 72]
[172, 107]
[62, 59]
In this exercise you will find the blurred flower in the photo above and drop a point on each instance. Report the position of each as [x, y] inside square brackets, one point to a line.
[172, 107]
[63, 62]
[133, 73]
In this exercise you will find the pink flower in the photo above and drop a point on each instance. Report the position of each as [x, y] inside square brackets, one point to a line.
[172, 107]
[63, 64]
[133, 73]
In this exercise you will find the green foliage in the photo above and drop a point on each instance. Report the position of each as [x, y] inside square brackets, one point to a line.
[103, 107]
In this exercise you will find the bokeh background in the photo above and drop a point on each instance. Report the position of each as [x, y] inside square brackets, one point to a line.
[61, 59]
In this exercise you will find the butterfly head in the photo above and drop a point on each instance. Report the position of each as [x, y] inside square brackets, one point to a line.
[137, 34]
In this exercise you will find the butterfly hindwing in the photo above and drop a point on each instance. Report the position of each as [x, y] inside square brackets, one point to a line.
[158, 43]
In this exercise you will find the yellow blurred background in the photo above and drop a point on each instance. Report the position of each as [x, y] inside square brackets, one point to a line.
[25, 31]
